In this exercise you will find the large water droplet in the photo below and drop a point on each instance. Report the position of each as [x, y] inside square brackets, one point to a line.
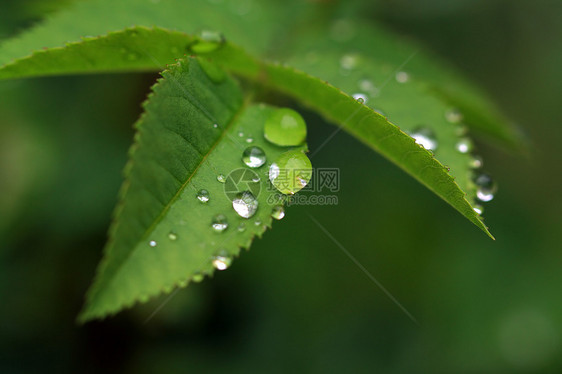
[203, 196]
[464, 145]
[221, 178]
[152, 243]
[278, 212]
[285, 127]
[219, 223]
[221, 261]
[425, 137]
[291, 172]
[402, 77]
[253, 157]
[207, 41]
[485, 187]
[245, 204]
[172, 236]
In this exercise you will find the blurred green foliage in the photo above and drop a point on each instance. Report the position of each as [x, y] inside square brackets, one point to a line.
[297, 303]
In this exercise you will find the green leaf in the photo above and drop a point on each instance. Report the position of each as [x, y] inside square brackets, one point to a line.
[162, 235]
[407, 103]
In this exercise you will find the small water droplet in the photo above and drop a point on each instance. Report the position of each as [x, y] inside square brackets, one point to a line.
[453, 115]
[203, 196]
[256, 178]
[253, 157]
[215, 125]
[219, 223]
[478, 208]
[249, 140]
[221, 261]
[476, 162]
[464, 145]
[285, 127]
[153, 243]
[349, 61]
[360, 97]
[257, 222]
[425, 137]
[241, 227]
[182, 283]
[172, 235]
[241, 134]
[221, 178]
[245, 204]
[278, 212]
[402, 77]
[485, 187]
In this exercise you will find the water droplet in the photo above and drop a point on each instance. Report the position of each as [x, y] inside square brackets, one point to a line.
[464, 145]
[290, 172]
[425, 137]
[222, 260]
[215, 125]
[476, 162]
[360, 97]
[278, 212]
[245, 204]
[256, 178]
[249, 140]
[257, 222]
[182, 283]
[241, 227]
[402, 77]
[221, 178]
[241, 134]
[153, 243]
[453, 115]
[349, 61]
[207, 41]
[478, 208]
[285, 127]
[219, 223]
[203, 196]
[253, 157]
[485, 187]
[197, 277]
[172, 235]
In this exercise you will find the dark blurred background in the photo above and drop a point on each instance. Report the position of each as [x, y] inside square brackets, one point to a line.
[296, 303]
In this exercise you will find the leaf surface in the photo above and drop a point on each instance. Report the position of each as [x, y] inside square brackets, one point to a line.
[162, 234]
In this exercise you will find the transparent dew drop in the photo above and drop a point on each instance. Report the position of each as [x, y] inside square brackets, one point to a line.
[221, 178]
[215, 125]
[249, 140]
[349, 61]
[221, 261]
[464, 145]
[402, 77]
[478, 209]
[476, 162]
[203, 196]
[360, 97]
[245, 204]
[207, 41]
[257, 222]
[172, 236]
[219, 223]
[152, 243]
[256, 179]
[254, 157]
[241, 227]
[425, 137]
[278, 212]
[485, 187]
[285, 127]
[197, 277]
[241, 134]
[453, 116]
[290, 172]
